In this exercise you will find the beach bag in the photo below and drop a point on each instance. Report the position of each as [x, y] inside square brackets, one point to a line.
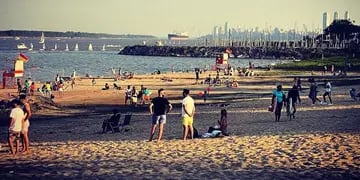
[271, 108]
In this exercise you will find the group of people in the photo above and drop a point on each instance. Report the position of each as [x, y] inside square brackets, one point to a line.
[135, 97]
[160, 106]
[279, 98]
[19, 125]
[28, 87]
[314, 91]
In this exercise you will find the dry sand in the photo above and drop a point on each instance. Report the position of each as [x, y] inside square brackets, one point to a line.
[321, 143]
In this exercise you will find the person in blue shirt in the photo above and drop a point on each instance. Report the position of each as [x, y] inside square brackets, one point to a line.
[277, 101]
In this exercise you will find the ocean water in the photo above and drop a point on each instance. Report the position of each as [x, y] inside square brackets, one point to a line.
[44, 65]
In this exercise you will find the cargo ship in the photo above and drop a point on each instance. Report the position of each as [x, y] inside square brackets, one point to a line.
[176, 36]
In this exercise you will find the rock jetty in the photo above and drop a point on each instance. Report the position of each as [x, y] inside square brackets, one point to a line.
[237, 52]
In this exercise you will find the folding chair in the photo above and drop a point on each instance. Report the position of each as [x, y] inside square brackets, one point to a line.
[126, 123]
[112, 124]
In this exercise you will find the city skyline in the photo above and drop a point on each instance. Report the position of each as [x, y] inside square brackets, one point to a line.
[160, 17]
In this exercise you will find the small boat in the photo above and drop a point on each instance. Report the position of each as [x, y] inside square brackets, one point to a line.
[31, 47]
[42, 38]
[178, 36]
[17, 38]
[67, 47]
[55, 48]
[21, 46]
[43, 48]
[90, 47]
[76, 47]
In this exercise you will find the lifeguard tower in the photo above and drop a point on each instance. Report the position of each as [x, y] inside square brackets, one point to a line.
[11, 74]
[221, 62]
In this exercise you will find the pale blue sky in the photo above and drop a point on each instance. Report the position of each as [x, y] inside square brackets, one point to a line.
[159, 17]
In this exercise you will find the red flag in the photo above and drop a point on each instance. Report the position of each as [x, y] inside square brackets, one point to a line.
[23, 57]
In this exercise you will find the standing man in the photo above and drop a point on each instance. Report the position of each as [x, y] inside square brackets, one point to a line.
[158, 108]
[26, 124]
[17, 119]
[197, 71]
[188, 112]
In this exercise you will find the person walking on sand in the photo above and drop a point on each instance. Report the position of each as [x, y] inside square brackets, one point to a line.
[188, 112]
[16, 120]
[313, 93]
[158, 108]
[293, 97]
[327, 93]
[26, 124]
[277, 101]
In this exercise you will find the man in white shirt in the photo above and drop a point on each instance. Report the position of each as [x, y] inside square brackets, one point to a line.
[327, 93]
[17, 119]
[188, 112]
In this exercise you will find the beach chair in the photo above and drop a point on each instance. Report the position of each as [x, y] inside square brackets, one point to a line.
[112, 124]
[124, 126]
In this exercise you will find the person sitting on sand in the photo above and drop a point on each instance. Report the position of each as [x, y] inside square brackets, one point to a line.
[106, 87]
[234, 84]
[221, 126]
[116, 86]
[355, 96]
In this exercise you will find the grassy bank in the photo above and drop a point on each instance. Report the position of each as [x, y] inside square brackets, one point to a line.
[318, 64]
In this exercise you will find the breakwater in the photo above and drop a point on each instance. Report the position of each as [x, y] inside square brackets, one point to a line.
[237, 52]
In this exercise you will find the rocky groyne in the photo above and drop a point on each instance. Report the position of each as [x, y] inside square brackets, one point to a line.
[237, 52]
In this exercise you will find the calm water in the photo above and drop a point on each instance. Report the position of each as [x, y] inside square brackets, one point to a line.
[44, 65]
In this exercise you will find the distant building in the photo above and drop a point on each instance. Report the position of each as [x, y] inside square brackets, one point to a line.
[326, 20]
[346, 15]
[336, 16]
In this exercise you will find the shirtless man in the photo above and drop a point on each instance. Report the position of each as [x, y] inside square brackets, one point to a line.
[26, 124]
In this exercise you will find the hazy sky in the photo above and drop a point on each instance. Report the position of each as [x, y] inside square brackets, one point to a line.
[160, 17]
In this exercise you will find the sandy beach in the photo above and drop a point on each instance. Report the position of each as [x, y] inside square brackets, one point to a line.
[322, 142]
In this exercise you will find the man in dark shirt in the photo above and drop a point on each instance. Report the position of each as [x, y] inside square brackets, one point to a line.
[294, 95]
[158, 108]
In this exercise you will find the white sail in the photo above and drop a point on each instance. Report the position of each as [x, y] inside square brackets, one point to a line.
[42, 38]
[90, 47]
[76, 47]
[67, 47]
[31, 47]
[55, 47]
[103, 48]
[43, 47]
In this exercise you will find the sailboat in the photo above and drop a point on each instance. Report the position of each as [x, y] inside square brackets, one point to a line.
[43, 47]
[103, 48]
[67, 47]
[31, 47]
[55, 48]
[90, 47]
[76, 47]
[42, 38]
